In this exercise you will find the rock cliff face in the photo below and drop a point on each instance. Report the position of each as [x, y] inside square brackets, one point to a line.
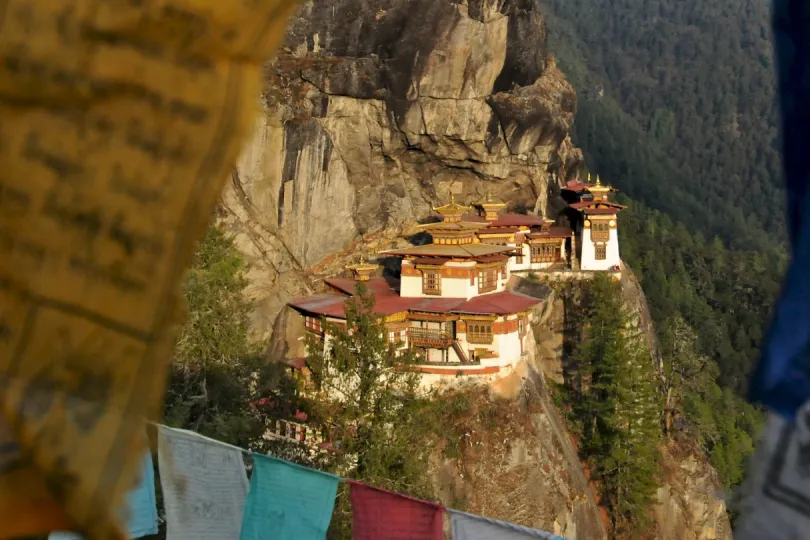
[376, 109]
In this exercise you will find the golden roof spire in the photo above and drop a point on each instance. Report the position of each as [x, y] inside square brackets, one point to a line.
[362, 270]
[598, 180]
[489, 196]
[452, 211]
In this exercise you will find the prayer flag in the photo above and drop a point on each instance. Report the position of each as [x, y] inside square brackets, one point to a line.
[288, 502]
[781, 380]
[379, 514]
[142, 519]
[471, 527]
[120, 124]
[141, 507]
[204, 486]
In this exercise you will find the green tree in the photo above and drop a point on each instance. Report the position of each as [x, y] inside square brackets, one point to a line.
[611, 391]
[365, 397]
[220, 384]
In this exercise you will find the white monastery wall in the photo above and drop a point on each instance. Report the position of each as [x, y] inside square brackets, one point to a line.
[588, 260]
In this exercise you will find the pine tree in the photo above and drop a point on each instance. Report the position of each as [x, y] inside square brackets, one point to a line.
[218, 374]
[612, 393]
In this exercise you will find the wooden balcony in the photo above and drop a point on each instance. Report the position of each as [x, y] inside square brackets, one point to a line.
[429, 338]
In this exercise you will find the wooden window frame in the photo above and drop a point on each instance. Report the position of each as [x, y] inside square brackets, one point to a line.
[479, 332]
[435, 277]
[600, 252]
[600, 232]
[487, 280]
[545, 253]
[313, 324]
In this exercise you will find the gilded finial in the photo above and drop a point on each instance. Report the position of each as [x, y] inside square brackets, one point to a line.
[598, 180]
[362, 259]
[589, 178]
[489, 196]
[452, 197]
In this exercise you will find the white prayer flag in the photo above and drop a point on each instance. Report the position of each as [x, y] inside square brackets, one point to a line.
[471, 527]
[204, 486]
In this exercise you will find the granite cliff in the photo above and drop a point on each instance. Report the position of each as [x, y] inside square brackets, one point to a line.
[375, 110]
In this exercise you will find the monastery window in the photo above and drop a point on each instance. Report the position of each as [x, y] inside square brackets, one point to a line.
[487, 280]
[479, 332]
[314, 324]
[545, 253]
[431, 282]
[601, 252]
[519, 258]
[600, 232]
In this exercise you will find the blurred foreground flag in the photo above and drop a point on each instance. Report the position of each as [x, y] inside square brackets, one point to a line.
[377, 514]
[118, 124]
[782, 377]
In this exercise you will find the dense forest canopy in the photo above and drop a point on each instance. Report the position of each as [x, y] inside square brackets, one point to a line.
[690, 87]
[676, 109]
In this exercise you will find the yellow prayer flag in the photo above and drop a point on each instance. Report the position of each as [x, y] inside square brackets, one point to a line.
[119, 120]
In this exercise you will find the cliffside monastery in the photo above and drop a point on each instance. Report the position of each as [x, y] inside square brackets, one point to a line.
[450, 301]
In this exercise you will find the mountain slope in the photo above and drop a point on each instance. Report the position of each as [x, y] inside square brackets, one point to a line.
[694, 81]
[676, 109]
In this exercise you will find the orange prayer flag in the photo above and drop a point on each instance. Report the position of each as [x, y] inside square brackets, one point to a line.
[118, 125]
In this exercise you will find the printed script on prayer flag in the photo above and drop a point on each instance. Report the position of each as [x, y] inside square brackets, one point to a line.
[378, 514]
[118, 125]
[204, 486]
[288, 502]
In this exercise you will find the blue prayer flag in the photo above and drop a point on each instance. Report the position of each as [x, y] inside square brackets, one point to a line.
[143, 519]
[141, 504]
[287, 502]
[782, 377]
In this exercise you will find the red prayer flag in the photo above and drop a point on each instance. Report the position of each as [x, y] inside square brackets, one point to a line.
[382, 515]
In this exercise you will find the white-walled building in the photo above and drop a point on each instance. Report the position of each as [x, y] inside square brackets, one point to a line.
[596, 224]
[451, 304]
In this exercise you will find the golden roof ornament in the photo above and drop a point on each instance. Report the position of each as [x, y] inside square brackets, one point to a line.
[491, 207]
[452, 211]
[362, 270]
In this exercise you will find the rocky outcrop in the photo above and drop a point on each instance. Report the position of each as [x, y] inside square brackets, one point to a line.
[690, 506]
[512, 459]
[376, 109]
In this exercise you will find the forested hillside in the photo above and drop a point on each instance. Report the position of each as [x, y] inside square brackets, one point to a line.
[675, 108]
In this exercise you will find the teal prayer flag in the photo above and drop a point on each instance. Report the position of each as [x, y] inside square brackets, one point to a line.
[287, 502]
[143, 518]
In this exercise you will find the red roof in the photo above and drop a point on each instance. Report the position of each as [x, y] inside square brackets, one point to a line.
[577, 187]
[501, 303]
[329, 305]
[587, 204]
[377, 285]
[498, 230]
[552, 232]
[431, 260]
[506, 220]
[601, 211]
[492, 258]
[435, 305]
